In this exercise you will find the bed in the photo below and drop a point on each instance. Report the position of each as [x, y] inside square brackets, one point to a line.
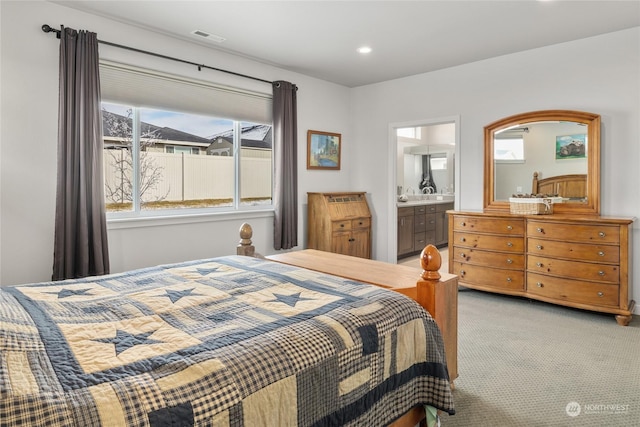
[571, 187]
[228, 341]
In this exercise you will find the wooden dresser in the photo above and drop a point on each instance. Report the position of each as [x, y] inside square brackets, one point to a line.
[576, 261]
[340, 223]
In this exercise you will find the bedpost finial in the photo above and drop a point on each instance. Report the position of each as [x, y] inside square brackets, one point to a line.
[430, 261]
[245, 247]
[246, 232]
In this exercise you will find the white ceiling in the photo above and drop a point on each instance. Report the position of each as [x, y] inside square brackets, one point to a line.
[320, 38]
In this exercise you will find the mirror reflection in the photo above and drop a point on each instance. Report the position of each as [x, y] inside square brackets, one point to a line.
[551, 152]
[539, 157]
[425, 160]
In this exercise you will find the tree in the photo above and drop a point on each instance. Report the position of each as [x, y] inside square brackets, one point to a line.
[120, 128]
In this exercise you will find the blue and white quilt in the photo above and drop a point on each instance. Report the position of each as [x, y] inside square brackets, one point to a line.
[230, 341]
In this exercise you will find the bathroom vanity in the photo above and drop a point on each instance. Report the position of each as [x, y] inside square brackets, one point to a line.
[423, 220]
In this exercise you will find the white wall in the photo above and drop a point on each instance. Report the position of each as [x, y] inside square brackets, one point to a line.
[28, 138]
[599, 74]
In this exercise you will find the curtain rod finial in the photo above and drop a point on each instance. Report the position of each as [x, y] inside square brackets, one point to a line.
[47, 29]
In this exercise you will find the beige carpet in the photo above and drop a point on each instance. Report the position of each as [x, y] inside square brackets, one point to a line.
[528, 363]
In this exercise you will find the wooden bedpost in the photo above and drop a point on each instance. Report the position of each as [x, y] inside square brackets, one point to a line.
[441, 300]
[245, 247]
[534, 183]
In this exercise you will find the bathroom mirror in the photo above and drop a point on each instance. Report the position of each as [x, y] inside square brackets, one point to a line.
[562, 149]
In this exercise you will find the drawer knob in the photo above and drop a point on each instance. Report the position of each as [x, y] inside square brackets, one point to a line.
[463, 256]
[462, 272]
[509, 279]
[600, 294]
[341, 225]
[539, 264]
[360, 223]
[462, 239]
[509, 261]
[352, 240]
[540, 230]
[601, 253]
[602, 234]
[464, 224]
[509, 244]
[539, 247]
[540, 285]
[509, 227]
[601, 273]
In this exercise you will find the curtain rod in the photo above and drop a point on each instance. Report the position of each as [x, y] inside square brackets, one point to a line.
[48, 29]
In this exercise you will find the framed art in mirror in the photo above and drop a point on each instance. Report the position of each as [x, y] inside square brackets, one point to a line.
[545, 155]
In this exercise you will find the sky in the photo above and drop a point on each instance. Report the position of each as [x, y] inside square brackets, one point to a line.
[190, 123]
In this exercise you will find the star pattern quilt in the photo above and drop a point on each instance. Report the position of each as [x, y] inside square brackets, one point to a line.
[229, 341]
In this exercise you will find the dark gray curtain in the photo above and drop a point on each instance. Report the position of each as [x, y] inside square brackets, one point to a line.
[427, 178]
[80, 241]
[285, 142]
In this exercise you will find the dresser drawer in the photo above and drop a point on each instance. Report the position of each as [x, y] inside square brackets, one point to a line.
[406, 212]
[425, 223]
[425, 209]
[576, 270]
[421, 240]
[341, 225]
[361, 223]
[567, 290]
[592, 233]
[509, 226]
[489, 242]
[490, 259]
[574, 251]
[509, 280]
[443, 207]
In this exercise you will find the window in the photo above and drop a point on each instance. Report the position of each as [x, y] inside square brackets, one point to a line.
[508, 150]
[201, 147]
[152, 161]
[438, 163]
[181, 150]
[413, 133]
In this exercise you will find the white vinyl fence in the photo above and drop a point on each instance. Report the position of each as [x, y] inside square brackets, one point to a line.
[195, 177]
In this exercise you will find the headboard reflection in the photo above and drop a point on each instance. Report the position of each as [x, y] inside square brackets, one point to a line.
[570, 187]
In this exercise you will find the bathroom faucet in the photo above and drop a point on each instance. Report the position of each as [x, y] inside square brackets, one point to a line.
[427, 190]
[412, 190]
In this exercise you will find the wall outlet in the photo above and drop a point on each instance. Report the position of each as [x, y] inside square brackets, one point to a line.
[518, 189]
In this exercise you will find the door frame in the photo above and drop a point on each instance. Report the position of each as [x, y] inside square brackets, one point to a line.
[392, 231]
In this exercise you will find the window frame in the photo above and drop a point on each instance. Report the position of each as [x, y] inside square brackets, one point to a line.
[180, 214]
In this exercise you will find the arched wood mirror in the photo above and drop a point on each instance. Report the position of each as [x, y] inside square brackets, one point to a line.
[552, 152]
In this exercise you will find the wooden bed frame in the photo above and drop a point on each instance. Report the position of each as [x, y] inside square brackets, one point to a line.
[569, 186]
[436, 292]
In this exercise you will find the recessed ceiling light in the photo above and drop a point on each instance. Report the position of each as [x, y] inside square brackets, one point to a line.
[364, 49]
[208, 36]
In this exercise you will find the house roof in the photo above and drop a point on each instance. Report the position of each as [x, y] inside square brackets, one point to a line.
[254, 136]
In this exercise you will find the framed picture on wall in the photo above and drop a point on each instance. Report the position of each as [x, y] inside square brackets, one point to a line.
[323, 150]
[571, 146]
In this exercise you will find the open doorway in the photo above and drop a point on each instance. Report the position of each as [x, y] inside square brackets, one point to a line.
[425, 163]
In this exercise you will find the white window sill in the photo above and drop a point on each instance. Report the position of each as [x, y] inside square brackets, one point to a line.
[188, 218]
